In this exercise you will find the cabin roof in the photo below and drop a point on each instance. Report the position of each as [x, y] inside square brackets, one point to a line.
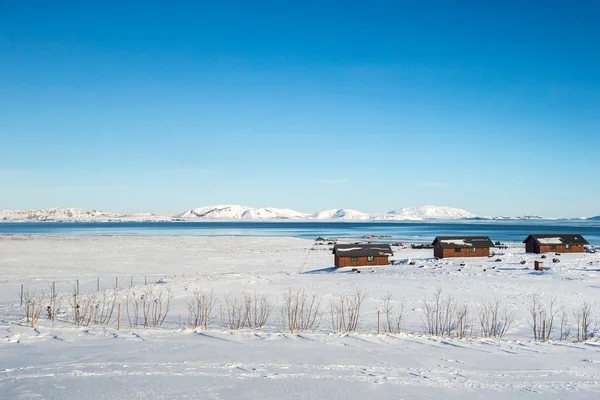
[556, 238]
[362, 250]
[450, 242]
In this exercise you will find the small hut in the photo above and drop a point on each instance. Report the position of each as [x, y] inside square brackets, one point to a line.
[462, 246]
[555, 243]
[361, 255]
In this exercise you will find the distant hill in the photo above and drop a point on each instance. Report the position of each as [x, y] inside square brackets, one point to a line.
[433, 212]
[60, 214]
[243, 213]
[233, 212]
[236, 212]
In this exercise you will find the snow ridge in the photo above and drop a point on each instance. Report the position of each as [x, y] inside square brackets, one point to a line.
[433, 212]
[60, 214]
[235, 212]
[238, 212]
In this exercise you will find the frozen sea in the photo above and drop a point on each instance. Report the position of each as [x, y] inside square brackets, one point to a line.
[410, 231]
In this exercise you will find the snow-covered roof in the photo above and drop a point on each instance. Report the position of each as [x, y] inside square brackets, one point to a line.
[362, 250]
[463, 241]
[552, 240]
[556, 238]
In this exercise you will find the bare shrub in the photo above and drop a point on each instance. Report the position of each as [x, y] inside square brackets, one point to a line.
[200, 309]
[33, 304]
[148, 307]
[105, 307]
[233, 314]
[393, 321]
[463, 327]
[565, 329]
[257, 309]
[584, 321]
[54, 302]
[439, 315]
[495, 319]
[543, 312]
[301, 310]
[345, 311]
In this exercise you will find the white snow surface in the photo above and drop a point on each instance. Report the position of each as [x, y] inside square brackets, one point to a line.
[58, 360]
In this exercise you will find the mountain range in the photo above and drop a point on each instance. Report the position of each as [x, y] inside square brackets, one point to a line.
[237, 212]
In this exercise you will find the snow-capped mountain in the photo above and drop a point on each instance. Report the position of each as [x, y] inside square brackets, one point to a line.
[60, 214]
[341, 214]
[232, 212]
[433, 212]
[235, 212]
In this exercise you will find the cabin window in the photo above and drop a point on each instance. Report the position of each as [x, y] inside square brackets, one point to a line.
[353, 259]
[567, 246]
[370, 258]
[553, 246]
[457, 250]
[473, 250]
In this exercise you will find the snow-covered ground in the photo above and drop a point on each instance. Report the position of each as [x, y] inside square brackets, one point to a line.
[57, 360]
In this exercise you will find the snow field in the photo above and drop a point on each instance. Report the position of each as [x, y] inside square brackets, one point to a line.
[60, 360]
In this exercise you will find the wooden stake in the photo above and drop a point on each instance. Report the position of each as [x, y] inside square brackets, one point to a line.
[97, 284]
[378, 322]
[544, 328]
[21, 295]
[119, 318]
[116, 282]
[131, 281]
[77, 287]
[206, 318]
[33, 315]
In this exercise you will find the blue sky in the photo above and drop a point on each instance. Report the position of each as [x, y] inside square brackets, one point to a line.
[368, 105]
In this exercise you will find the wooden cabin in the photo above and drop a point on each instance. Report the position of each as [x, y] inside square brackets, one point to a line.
[462, 246]
[361, 255]
[555, 243]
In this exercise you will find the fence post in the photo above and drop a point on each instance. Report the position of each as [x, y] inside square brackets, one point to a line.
[378, 322]
[206, 317]
[145, 281]
[98, 284]
[21, 295]
[131, 281]
[119, 318]
[544, 329]
[77, 287]
[116, 282]
[53, 290]
[33, 315]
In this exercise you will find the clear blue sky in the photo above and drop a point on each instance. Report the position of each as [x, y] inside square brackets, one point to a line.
[489, 106]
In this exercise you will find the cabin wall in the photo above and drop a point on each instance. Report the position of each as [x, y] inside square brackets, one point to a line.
[559, 248]
[361, 261]
[438, 252]
[466, 252]
[530, 247]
